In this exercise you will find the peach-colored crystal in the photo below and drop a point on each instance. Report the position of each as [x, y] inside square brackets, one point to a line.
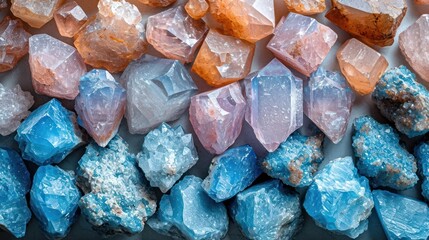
[361, 65]
[306, 7]
[421, 1]
[70, 18]
[197, 8]
[35, 12]
[158, 3]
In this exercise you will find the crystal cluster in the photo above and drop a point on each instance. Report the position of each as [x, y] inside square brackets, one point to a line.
[158, 3]
[340, 199]
[70, 19]
[422, 154]
[306, 7]
[197, 8]
[35, 12]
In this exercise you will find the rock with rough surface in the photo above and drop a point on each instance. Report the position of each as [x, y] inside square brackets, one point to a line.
[158, 3]
[422, 155]
[70, 19]
[197, 8]
[306, 7]
[35, 12]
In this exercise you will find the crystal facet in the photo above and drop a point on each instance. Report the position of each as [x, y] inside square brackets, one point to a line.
[158, 3]
[306, 7]
[70, 19]
[197, 8]
[35, 12]
[422, 154]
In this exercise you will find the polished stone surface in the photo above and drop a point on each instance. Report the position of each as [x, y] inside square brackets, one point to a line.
[70, 19]
[35, 12]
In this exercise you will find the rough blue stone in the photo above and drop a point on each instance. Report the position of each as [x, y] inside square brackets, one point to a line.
[296, 160]
[117, 197]
[401, 217]
[381, 158]
[422, 154]
[339, 199]
[404, 101]
[54, 200]
[188, 212]
[231, 172]
[14, 185]
[267, 211]
[49, 134]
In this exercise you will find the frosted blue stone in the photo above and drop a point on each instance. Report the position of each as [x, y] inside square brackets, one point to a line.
[167, 154]
[339, 199]
[54, 200]
[296, 160]
[117, 197]
[49, 134]
[267, 211]
[422, 154]
[231, 172]
[15, 183]
[381, 157]
[401, 217]
[189, 213]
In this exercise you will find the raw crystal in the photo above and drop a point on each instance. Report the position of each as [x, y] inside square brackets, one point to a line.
[166, 155]
[296, 160]
[100, 105]
[56, 67]
[401, 217]
[422, 154]
[217, 117]
[231, 173]
[117, 197]
[114, 37]
[267, 211]
[197, 8]
[404, 101]
[35, 12]
[339, 199]
[54, 200]
[158, 90]
[421, 1]
[49, 134]
[301, 42]
[158, 3]
[361, 65]
[223, 59]
[188, 213]
[371, 21]
[328, 102]
[306, 7]
[274, 104]
[15, 183]
[14, 106]
[175, 34]
[70, 19]
[13, 43]
[381, 157]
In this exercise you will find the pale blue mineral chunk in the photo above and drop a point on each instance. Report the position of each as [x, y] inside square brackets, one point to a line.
[422, 154]
[339, 199]
[49, 134]
[189, 213]
[117, 197]
[402, 217]
[381, 157]
[54, 200]
[167, 154]
[296, 160]
[267, 211]
[231, 172]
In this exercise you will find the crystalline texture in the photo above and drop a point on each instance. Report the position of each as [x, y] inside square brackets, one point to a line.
[158, 3]
[422, 154]
[306, 7]
[70, 18]
[35, 12]
[197, 8]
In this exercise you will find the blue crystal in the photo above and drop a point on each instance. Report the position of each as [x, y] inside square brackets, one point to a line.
[231, 172]
[49, 134]
[339, 199]
[188, 212]
[422, 154]
[267, 211]
[381, 158]
[117, 197]
[296, 160]
[54, 200]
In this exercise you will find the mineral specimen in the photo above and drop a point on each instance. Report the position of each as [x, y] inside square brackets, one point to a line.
[49, 134]
[114, 37]
[381, 157]
[100, 105]
[421, 1]
[404, 101]
[35, 12]
[274, 104]
[371, 21]
[328, 102]
[15, 183]
[231, 172]
[306, 7]
[166, 155]
[301, 42]
[14, 106]
[187, 212]
[197, 8]
[117, 198]
[339, 199]
[217, 117]
[296, 160]
[175, 34]
[267, 211]
[54, 200]
[401, 217]
[13, 43]
[70, 19]
[158, 3]
[223, 59]
[422, 154]
[3, 3]
[158, 90]
[361, 65]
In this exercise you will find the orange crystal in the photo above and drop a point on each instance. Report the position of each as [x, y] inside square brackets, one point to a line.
[306, 7]
[197, 8]
[421, 1]
[35, 12]
[70, 18]
[158, 3]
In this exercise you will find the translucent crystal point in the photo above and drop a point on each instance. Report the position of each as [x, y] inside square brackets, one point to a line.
[35, 12]
[70, 18]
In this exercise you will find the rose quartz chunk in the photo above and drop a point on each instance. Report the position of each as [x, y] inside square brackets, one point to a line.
[70, 18]
[35, 12]
[197, 8]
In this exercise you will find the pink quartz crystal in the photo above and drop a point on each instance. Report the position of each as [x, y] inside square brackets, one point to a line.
[70, 18]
